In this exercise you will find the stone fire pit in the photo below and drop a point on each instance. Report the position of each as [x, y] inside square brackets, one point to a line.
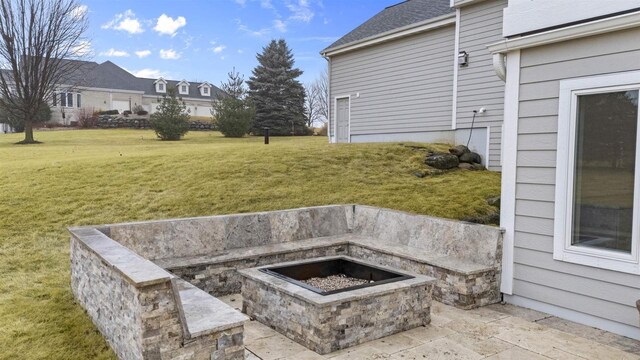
[326, 321]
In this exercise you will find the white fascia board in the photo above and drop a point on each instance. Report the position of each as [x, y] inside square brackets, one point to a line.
[111, 90]
[462, 3]
[615, 23]
[416, 28]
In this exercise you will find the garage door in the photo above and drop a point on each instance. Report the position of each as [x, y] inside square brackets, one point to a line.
[120, 105]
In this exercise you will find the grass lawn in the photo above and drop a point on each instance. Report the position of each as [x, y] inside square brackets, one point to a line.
[107, 176]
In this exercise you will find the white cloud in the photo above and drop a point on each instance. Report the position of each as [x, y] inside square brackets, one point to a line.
[79, 11]
[166, 25]
[149, 73]
[169, 54]
[240, 51]
[301, 11]
[115, 53]
[218, 49]
[143, 53]
[266, 4]
[280, 25]
[83, 48]
[258, 33]
[126, 21]
[241, 2]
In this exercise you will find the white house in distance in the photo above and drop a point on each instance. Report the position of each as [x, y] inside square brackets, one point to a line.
[559, 82]
[107, 86]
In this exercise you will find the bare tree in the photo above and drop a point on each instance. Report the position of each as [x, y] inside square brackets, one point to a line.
[38, 38]
[316, 106]
[311, 104]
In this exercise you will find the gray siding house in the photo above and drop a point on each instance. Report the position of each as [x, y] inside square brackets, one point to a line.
[570, 181]
[560, 83]
[397, 77]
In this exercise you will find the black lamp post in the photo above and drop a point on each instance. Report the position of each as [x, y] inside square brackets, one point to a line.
[266, 135]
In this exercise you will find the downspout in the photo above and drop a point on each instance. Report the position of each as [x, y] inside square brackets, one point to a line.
[500, 65]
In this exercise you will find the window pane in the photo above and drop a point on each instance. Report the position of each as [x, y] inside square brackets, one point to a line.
[605, 167]
[63, 99]
[69, 99]
[79, 103]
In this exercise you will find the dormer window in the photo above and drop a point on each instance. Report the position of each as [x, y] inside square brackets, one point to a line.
[183, 87]
[205, 89]
[161, 85]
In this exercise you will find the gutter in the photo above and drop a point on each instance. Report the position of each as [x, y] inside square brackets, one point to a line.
[606, 25]
[430, 24]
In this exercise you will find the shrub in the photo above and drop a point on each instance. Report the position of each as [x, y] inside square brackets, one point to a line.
[109, 112]
[171, 121]
[87, 118]
[323, 130]
[142, 112]
[139, 110]
[42, 116]
[126, 112]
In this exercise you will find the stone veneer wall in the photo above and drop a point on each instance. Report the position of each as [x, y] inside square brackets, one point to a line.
[213, 235]
[331, 327]
[222, 278]
[136, 310]
[464, 291]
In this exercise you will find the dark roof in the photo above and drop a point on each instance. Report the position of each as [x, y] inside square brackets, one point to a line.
[110, 76]
[394, 17]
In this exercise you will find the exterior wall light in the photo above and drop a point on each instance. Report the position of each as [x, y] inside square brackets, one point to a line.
[463, 59]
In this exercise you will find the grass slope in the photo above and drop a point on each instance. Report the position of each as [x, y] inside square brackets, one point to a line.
[108, 176]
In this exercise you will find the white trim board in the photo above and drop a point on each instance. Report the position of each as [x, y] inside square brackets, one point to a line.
[509, 167]
[575, 316]
[614, 23]
[412, 29]
[454, 110]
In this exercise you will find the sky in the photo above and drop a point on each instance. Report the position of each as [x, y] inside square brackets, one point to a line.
[200, 40]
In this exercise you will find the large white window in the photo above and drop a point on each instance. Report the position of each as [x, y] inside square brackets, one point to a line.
[597, 180]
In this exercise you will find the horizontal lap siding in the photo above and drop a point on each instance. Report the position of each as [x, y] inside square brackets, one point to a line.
[597, 292]
[404, 85]
[478, 85]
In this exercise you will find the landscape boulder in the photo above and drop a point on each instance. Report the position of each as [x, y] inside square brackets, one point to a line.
[470, 158]
[459, 150]
[442, 161]
[467, 166]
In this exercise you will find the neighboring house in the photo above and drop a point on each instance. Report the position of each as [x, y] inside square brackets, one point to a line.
[107, 86]
[571, 181]
[563, 129]
[416, 71]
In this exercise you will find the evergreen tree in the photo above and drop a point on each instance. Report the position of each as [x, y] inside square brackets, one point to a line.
[232, 111]
[171, 120]
[276, 93]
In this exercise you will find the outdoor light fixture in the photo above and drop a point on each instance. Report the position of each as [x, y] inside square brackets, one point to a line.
[463, 58]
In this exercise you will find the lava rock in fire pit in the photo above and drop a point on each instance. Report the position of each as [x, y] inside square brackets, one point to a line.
[335, 282]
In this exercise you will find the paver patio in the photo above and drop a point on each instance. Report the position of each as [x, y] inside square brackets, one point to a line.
[492, 332]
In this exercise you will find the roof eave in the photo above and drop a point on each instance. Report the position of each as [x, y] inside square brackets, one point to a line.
[415, 28]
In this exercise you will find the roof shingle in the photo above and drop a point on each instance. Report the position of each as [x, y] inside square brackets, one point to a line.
[396, 16]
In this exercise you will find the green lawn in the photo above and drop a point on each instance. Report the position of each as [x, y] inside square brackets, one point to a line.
[107, 176]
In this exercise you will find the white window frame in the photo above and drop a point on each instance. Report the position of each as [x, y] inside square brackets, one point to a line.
[565, 172]
[205, 91]
[164, 87]
[185, 91]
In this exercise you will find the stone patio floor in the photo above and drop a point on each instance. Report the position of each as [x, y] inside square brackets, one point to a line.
[493, 332]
